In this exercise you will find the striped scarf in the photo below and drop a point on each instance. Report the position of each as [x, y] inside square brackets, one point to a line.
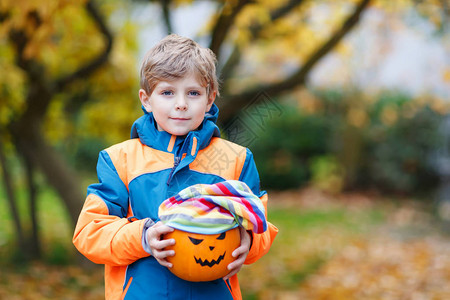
[214, 208]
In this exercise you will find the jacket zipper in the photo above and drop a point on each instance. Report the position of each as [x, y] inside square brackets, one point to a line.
[175, 165]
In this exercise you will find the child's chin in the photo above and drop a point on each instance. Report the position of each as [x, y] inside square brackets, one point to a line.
[181, 131]
[178, 132]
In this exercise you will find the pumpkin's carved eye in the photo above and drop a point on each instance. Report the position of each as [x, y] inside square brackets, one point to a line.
[195, 241]
[221, 236]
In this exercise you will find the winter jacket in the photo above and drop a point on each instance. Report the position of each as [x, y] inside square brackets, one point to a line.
[135, 176]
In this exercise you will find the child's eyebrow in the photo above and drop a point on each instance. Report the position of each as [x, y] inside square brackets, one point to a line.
[195, 87]
[164, 84]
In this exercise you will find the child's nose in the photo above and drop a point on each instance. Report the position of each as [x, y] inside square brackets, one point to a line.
[181, 103]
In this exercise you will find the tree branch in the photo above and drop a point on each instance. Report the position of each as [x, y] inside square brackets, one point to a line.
[4, 15]
[97, 61]
[40, 89]
[165, 5]
[284, 10]
[223, 26]
[276, 14]
[233, 60]
[235, 56]
[445, 15]
[234, 103]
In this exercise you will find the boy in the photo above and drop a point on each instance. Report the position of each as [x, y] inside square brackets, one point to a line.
[176, 144]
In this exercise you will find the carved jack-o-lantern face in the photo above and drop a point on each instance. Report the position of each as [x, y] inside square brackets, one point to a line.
[202, 257]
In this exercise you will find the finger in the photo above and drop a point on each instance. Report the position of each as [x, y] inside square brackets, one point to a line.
[246, 239]
[164, 263]
[231, 274]
[166, 243]
[160, 228]
[157, 231]
[239, 251]
[162, 255]
[161, 244]
[237, 263]
[244, 233]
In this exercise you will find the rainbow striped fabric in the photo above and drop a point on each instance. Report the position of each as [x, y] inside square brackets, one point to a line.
[214, 208]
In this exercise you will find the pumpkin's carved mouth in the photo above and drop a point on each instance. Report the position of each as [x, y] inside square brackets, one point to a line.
[210, 263]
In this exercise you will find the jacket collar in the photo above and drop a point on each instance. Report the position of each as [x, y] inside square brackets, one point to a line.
[145, 129]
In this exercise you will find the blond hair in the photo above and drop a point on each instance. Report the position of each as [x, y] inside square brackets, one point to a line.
[174, 57]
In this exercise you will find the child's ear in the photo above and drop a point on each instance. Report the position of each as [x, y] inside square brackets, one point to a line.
[210, 101]
[145, 100]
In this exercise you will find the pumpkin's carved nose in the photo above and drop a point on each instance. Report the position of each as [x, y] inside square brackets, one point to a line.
[211, 248]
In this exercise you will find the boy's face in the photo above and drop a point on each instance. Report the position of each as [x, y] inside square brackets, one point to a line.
[178, 106]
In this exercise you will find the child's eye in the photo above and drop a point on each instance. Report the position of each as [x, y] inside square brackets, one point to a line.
[166, 93]
[194, 93]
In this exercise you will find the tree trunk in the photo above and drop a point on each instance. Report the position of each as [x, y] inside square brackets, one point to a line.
[59, 175]
[34, 242]
[26, 128]
[11, 197]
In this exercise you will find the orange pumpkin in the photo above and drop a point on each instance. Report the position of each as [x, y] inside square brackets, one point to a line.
[202, 257]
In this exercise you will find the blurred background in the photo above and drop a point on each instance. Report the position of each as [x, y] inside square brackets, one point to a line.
[345, 105]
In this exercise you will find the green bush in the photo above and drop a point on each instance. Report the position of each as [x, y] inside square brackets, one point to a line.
[82, 153]
[284, 148]
[387, 146]
[399, 155]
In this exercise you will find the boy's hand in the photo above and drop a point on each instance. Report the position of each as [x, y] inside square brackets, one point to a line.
[240, 253]
[157, 243]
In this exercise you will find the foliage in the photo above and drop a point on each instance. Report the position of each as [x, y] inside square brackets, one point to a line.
[65, 39]
[400, 155]
[286, 143]
[351, 141]
[65, 68]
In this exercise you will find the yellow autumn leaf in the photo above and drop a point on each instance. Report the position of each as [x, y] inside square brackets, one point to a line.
[389, 115]
[446, 75]
[357, 117]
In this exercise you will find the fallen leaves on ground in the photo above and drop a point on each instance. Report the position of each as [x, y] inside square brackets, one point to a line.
[39, 281]
[406, 257]
[384, 268]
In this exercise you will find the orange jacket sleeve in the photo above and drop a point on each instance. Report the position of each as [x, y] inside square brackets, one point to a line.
[107, 239]
[261, 242]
